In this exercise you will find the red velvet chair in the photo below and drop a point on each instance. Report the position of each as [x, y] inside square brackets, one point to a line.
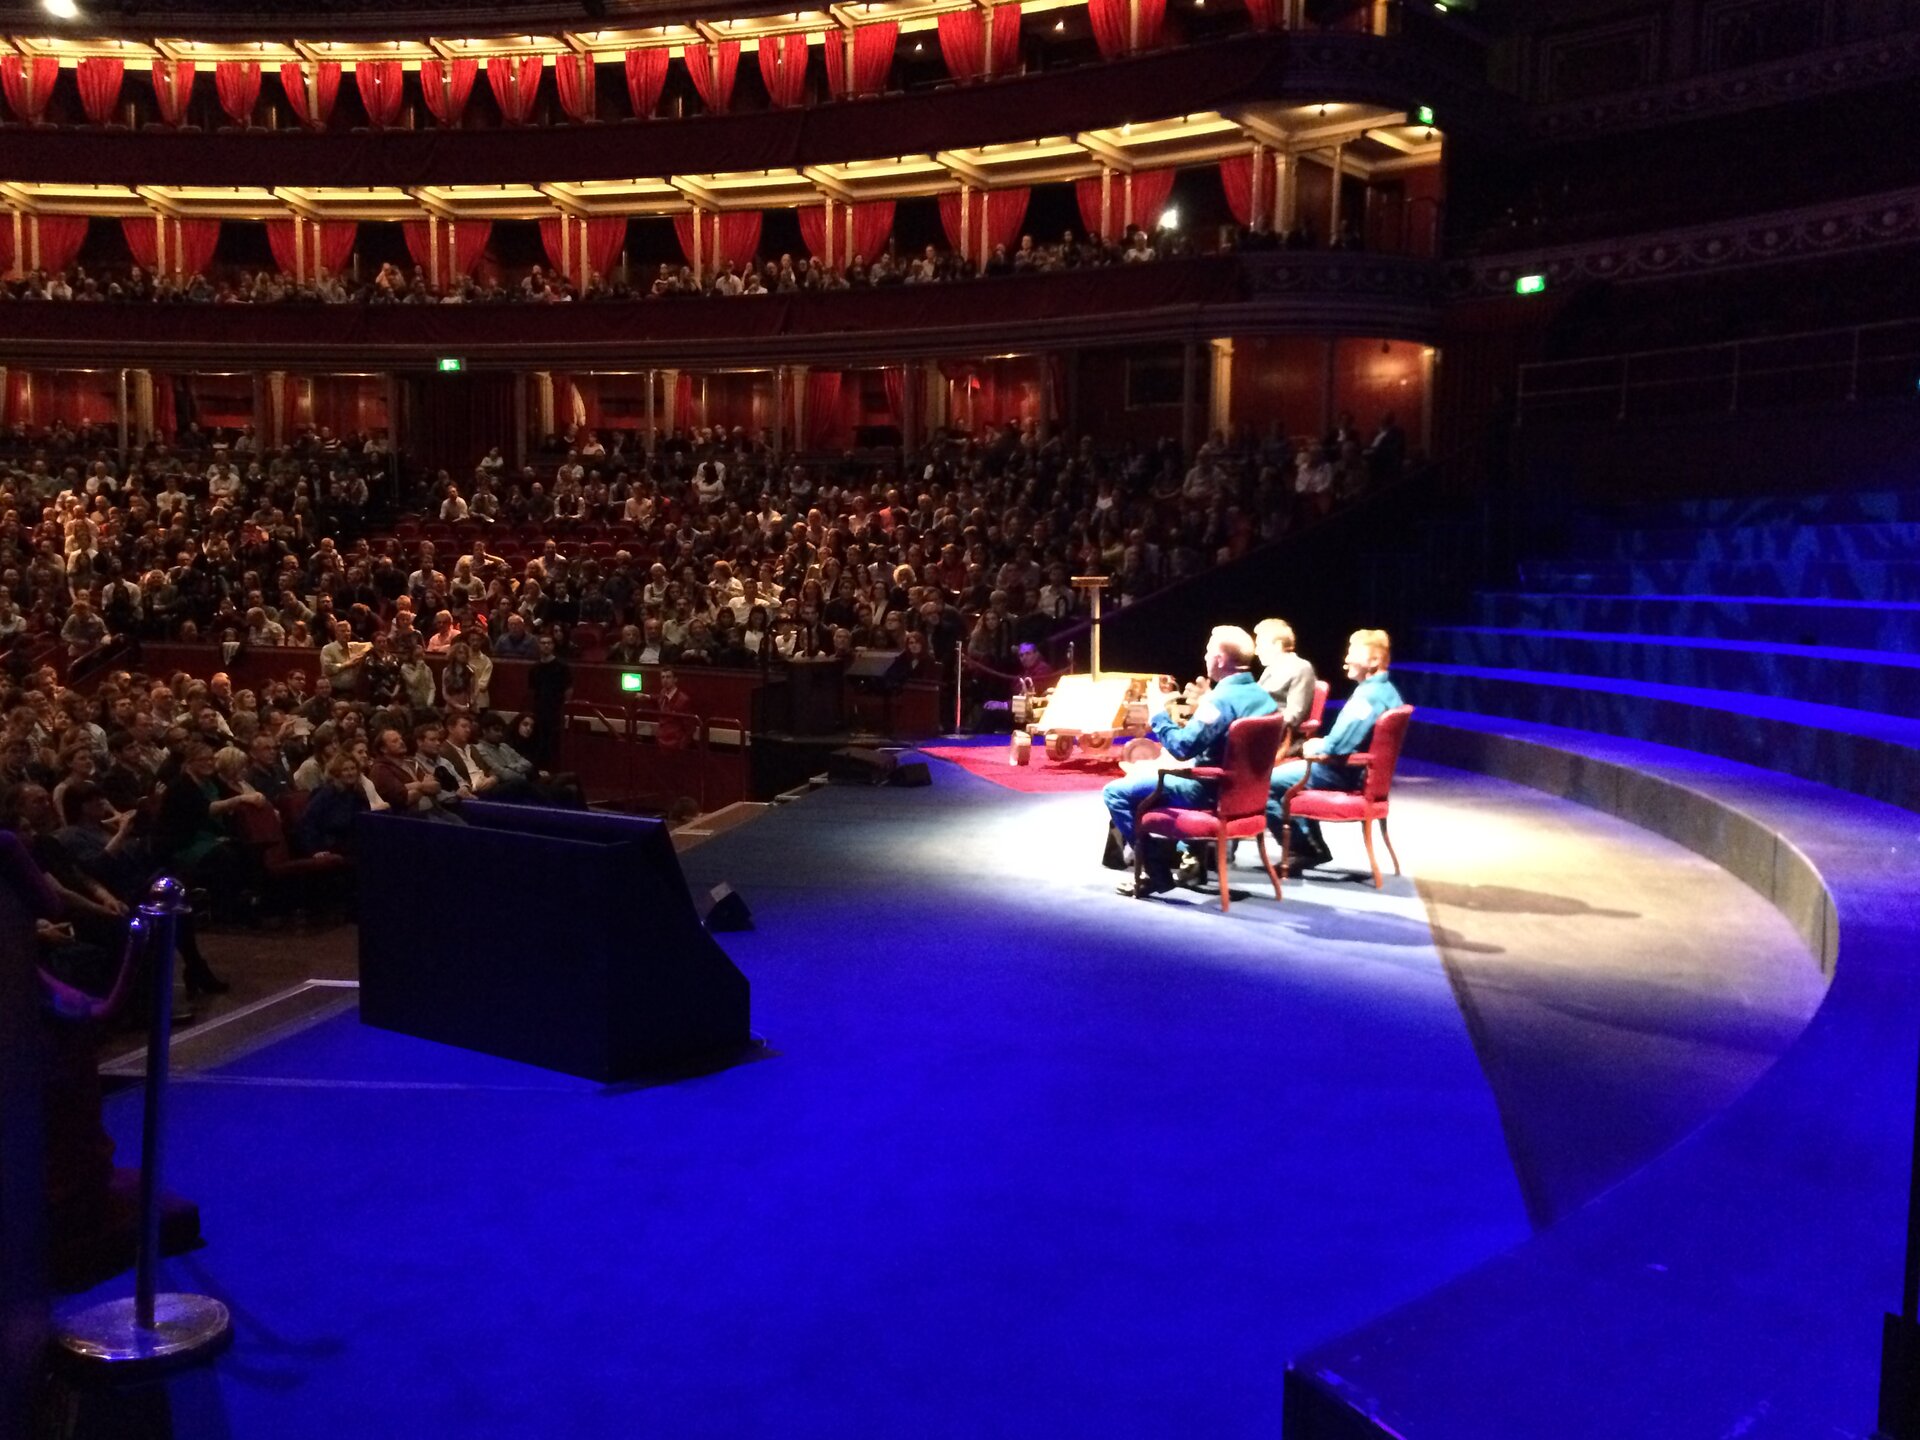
[1310, 727]
[1240, 812]
[1368, 803]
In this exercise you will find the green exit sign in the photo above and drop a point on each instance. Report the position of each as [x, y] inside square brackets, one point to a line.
[451, 364]
[1423, 115]
[1530, 285]
[632, 682]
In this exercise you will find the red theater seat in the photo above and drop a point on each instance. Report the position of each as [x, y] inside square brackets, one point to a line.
[1310, 727]
[1240, 813]
[1365, 805]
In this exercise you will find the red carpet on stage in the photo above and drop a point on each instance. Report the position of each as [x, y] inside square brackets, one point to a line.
[1039, 776]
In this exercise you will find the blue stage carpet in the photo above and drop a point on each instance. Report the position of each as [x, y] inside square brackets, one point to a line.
[1028, 1159]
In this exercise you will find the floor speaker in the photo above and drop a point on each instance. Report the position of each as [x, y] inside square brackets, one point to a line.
[726, 910]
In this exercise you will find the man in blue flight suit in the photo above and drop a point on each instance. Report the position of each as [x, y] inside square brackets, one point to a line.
[1235, 695]
[1368, 654]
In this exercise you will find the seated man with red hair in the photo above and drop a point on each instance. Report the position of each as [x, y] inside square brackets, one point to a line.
[1368, 654]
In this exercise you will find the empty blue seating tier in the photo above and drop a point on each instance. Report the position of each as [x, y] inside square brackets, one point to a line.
[1740, 676]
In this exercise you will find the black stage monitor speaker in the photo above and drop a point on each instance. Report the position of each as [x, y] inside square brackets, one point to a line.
[858, 765]
[878, 667]
[726, 910]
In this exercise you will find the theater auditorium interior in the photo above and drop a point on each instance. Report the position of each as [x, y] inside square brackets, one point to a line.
[979, 718]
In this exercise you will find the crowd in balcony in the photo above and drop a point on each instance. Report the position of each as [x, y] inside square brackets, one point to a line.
[391, 284]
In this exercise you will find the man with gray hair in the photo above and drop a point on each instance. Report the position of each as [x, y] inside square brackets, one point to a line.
[1288, 677]
[1234, 695]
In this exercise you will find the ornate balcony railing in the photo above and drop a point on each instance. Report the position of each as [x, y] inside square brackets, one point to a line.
[1281, 292]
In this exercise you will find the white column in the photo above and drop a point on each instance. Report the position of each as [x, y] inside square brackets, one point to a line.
[1285, 174]
[1333, 205]
[1220, 395]
[543, 401]
[1106, 203]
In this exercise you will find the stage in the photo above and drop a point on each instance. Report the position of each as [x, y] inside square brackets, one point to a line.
[1019, 1157]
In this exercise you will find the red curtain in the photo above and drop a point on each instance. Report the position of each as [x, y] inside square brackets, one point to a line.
[683, 403]
[1005, 210]
[6, 247]
[993, 219]
[29, 83]
[197, 239]
[74, 396]
[1150, 191]
[783, 66]
[825, 422]
[280, 239]
[1086, 194]
[379, 83]
[1111, 24]
[734, 235]
[606, 237]
[61, 237]
[950, 222]
[515, 82]
[446, 85]
[712, 74]
[573, 77]
[1153, 18]
[813, 229]
[326, 89]
[963, 41]
[646, 78]
[468, 239]
[237, 82]
[894, 377]
[872, 224]
[873, 47]
[1236, 178]
[144, 245]
[738, 235]
[18, 406]
[559, 245]
[173, 89]
[165, 417]
[99, 78]
[336, 244]
[1264, 13]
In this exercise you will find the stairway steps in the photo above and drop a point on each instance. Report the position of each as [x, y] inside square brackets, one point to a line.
[1854, 624]
[1871, 680]
[1870, 754]
[1752, 544]
[1884, 580]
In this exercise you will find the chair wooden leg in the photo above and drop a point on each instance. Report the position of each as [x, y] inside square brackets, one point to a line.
[1220, 864]
[1139, 845]
[1286, 844]
[1389, 839]
[1366, 833]
[1272, 874]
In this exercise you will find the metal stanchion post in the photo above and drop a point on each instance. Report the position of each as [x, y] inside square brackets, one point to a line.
[149, 1335]
[959, 680]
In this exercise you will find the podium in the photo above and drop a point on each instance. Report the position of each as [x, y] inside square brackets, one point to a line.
[559, 938]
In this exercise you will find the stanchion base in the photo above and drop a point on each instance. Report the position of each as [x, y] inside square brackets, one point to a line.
[105, 1344]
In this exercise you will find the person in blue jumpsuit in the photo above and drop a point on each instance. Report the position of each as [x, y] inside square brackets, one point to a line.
[1368, 654]
[1235, 695]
